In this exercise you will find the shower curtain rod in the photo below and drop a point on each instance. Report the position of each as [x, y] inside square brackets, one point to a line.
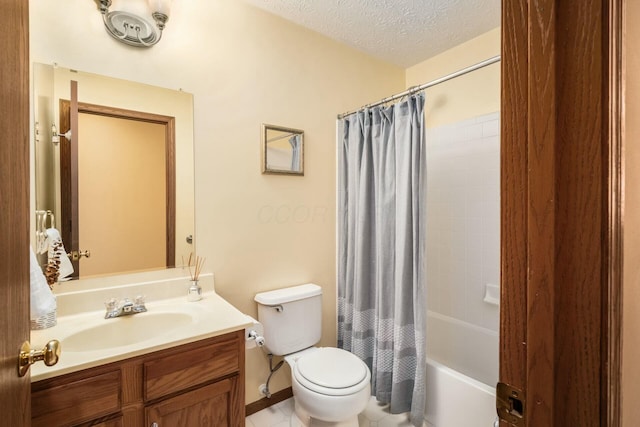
[415, 89]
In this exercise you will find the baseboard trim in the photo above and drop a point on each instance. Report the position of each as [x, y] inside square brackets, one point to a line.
[263, 403]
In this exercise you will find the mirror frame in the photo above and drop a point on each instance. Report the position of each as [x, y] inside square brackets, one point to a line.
[263, 144]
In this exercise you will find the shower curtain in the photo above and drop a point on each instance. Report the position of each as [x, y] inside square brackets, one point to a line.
[381, 255]
[295, 143]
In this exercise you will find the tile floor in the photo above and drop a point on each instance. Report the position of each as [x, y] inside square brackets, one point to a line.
[375, 415]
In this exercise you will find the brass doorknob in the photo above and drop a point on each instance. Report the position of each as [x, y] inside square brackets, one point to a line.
[50, 354]
[76, 255]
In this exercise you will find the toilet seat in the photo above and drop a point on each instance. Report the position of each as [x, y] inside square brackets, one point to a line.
[331, 371]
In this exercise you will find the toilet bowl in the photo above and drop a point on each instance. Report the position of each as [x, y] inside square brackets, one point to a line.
[330, 386]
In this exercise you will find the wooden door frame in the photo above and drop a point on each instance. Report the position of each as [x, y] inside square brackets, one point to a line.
[67, 179]
[561, 236]
[15, 392]
[613, 207]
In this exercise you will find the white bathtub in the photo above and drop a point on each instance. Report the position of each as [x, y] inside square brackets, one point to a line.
[456, 351]
[455, 400]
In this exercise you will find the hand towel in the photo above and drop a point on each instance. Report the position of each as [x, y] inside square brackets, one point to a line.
[42, 300]
[66, 268]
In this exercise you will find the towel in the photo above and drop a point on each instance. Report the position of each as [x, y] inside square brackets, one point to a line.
[66, 268]
[42, 300]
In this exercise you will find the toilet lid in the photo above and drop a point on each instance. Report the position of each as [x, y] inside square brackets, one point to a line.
[332, 368]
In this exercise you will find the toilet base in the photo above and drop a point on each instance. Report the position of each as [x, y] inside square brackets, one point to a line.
[300, 418]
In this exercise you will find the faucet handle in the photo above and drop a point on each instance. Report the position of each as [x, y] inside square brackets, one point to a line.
[111, 304]
[138, 305]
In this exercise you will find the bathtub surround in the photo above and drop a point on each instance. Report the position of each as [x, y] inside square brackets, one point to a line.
[463, 245]
[381, 226]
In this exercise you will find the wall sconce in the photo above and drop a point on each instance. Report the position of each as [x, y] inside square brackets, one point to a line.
[132, 29]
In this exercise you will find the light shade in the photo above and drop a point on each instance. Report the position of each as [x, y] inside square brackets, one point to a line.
[160, 6]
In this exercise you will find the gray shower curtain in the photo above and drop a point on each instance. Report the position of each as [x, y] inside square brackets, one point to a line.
[381, 277]
[295, 143]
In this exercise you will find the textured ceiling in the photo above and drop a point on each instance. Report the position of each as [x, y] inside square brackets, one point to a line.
[403, 32]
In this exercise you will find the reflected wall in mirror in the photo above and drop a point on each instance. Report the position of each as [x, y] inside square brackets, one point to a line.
[282, 150]
[131, 160]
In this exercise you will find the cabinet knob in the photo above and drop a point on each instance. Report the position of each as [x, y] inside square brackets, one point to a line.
[49, 354]
[154, 425]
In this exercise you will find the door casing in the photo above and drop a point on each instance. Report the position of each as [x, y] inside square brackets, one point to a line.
[561, 209]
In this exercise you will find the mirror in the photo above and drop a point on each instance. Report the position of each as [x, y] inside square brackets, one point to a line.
[282, 150]
[133, 206]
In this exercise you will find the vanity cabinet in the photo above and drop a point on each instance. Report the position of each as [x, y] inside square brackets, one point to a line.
[195, 384]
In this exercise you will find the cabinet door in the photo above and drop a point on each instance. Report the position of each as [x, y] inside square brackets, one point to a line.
[208, 406]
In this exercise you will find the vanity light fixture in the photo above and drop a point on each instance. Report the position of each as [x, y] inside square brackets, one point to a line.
[132, 29]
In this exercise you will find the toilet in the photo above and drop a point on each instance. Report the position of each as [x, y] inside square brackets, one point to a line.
[331, 386]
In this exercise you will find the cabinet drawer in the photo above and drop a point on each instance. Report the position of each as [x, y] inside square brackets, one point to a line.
[177, 372]
[76, 402]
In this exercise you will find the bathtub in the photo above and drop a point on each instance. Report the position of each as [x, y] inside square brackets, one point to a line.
[456, 351]
[455, 400]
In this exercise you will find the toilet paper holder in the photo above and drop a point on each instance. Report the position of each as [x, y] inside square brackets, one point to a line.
[253, 334]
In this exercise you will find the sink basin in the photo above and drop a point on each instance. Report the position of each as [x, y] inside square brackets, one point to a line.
[123, 331]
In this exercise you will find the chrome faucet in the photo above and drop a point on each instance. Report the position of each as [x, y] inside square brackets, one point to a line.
[124, 308]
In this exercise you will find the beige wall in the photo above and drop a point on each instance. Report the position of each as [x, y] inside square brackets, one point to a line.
[466, 96]
[631, 277]
[257, 232]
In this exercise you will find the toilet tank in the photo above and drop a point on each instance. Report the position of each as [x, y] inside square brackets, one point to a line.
[292, 318]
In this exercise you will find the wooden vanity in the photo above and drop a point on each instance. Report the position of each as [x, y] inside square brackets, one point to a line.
[200, 384]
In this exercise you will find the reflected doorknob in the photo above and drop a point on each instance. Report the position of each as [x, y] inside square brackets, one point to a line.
[76, 255]
[50, 354]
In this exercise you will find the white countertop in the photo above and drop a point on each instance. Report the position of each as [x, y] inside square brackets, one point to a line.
[209, 317]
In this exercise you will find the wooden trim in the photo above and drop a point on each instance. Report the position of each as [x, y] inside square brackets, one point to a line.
[542, 212]
[15, 399]
[558, 166]
[170, 168]
[514, 195]
[264, 403]
[613, 211]
[74, 209]
[67, 219]
[170, 161]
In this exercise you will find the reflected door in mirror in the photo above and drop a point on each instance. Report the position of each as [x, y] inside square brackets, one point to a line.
[126, 190]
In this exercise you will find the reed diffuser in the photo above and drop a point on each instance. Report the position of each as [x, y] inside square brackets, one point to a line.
[195, 267]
